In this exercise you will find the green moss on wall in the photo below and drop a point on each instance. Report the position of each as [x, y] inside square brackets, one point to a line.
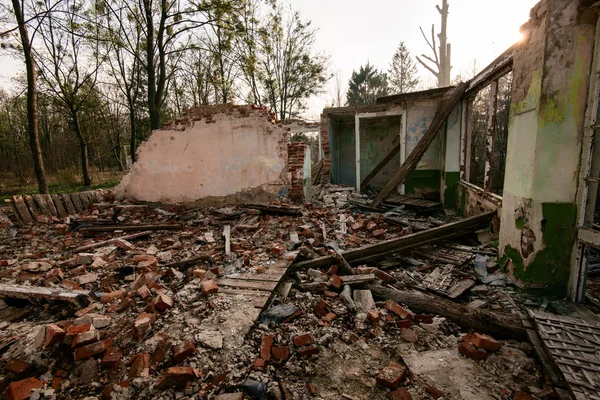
[520, 223]
[451, 192]
[551, 265]
[423, 179]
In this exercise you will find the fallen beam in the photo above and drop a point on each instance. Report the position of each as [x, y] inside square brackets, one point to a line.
[498, 324]
[273, 209]
[188, 262]
[415, 156]
[126, 228]
[393, 153]
[389, 247]
[110, 241]
[78, 297]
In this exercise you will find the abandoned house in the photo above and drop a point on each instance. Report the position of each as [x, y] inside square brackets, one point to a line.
[441, 244]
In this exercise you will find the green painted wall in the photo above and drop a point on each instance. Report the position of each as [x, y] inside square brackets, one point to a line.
[450, 195]
[423, 179]
[376, 140]
[343, 155]
[552, 264]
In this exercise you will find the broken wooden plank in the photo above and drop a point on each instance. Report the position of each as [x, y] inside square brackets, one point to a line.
[257, 277]
[227, 235]
[357, 279]
[50, 204]
[274, 209]
[85, 202]
[23, 213]
[33, 209]
[497, 324]
[388, 247]
[40, 200]
[393, 153]
[415, 156]
[78, 297]
[111, 241]
[246, 284]
[60, 208]
[343, 264]
[68, 204]
[127, 228]
[76, 202]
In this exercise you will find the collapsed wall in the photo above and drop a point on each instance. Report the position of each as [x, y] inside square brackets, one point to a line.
[222, 152]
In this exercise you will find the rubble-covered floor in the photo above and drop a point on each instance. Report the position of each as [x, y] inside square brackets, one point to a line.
[156, 328]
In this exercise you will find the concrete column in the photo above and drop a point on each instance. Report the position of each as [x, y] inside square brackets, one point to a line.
[451, 159]
[551, 79]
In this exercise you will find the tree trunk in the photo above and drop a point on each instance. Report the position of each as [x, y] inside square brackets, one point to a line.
[495, 323]
[152, 109]
[87, 181]
[32, 113]
[132, 126]
[118, 150]
[15, 144]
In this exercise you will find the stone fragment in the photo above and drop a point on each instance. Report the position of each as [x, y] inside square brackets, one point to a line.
[101, 321]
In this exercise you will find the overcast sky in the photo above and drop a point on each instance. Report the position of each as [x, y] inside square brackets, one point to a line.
[352, 32]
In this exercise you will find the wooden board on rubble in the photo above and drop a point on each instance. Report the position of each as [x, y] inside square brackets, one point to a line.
[574, 345]
[412, 202]
[33, 293]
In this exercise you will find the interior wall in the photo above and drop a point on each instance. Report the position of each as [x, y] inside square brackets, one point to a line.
[377, 138]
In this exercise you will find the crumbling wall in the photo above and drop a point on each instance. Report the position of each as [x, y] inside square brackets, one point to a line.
[300, 171]
[551, 79]
[223, 152]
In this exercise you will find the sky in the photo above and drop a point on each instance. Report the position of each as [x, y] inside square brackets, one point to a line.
[352, 32]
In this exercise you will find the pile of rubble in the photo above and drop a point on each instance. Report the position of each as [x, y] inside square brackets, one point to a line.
[124, 302]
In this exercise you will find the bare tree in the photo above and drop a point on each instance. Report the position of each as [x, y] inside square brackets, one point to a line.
[19, 9]
[441, 55]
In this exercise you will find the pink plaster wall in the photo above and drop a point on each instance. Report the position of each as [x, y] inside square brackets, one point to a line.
[214, 152]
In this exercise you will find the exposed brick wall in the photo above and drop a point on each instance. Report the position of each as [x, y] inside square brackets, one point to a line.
[296, 153]
[326, 151]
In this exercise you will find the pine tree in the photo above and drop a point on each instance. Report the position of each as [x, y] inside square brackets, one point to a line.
[402, 74]
[366, 86]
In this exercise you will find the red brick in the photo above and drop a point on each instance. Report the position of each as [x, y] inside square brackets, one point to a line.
[402, 312]
[374, 316]
[56, 272]
[20, 390]
[54, 335]
[308, 351]
[112, 356]
[209, 287]
[384, 276]
[280, 353]
[364, 270]
[328, 293]
[521, 395]
[56, 382]
[265, 347]
[485, 342]
[303, 340]
[391, 376]
[92, 349]
[183, 351]
[333, 270]
[144, 292]
[469, 350]
[18, 367]
[112, 296]
[433, 391]
[160, 351]
[404, 323]
[400, 394]
[423, 319]
[329, 317]
[312, 389]
[410, 335]
[143, 324]
[75, 330]
[218, 271]
[177, 376]
[140, 366]
[85, 338]
[162, 302]
[199, 273]
[259, 364]
[336, 282]
[321, 308]
[378, 232]
[277, 249]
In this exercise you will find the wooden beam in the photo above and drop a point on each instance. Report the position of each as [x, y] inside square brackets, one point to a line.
[23, 213]
[497, 324]
[394, 152]
[273, 209]
[110, 241]
[137, 227]
[79, 297]
[415, 156]
[388, 247]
